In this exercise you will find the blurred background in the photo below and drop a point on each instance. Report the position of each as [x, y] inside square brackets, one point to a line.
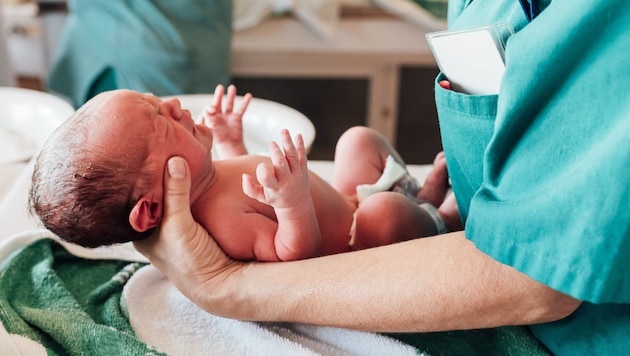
[340, 62]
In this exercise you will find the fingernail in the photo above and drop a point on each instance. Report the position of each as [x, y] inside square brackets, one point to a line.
[176, 168]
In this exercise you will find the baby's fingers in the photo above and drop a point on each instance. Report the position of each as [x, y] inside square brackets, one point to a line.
[301, 151]
[231, 94]
[252, 189]
[243, 107]
[279, 161]
[217, 100]
[290, 152]
[294, 152]
[210, 119]
[267, 176]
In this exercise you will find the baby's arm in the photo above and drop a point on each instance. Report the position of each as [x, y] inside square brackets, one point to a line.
[285, 187]
[226, 124]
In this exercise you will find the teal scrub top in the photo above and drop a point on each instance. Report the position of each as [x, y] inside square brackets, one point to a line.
[541, 171]
[164, 47]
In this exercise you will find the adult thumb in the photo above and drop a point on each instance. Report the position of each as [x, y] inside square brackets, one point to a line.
[177, 190]
[177, 221]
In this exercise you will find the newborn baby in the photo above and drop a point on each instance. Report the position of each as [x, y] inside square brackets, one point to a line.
[99, 180]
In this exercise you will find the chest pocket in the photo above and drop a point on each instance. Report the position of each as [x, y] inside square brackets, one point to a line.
[467, 125]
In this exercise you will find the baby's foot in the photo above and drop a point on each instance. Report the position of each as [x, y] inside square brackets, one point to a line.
[449, 213]
[407, 186]
[436, 185]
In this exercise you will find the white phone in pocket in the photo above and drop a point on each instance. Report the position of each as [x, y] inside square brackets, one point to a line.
[472, 59]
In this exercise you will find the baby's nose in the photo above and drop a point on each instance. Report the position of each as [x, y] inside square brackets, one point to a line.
[174, 107]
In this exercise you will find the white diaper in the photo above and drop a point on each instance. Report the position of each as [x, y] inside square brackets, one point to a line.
[395, 178]
[392, 174]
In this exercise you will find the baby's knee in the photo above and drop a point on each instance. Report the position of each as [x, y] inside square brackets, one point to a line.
[358, 136]
[382, 219]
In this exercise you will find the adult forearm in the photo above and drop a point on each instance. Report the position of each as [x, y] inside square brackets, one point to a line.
[419, 285]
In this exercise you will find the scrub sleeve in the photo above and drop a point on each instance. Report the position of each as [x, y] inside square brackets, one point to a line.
[164, 47]
[541, 171]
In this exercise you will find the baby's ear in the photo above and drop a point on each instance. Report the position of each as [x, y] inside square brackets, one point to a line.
[146, 214]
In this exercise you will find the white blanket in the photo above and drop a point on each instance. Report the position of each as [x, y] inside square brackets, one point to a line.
[164, 318]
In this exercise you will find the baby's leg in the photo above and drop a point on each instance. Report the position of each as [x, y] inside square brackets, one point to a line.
[360, 158]
[436, 185]
[388, 217]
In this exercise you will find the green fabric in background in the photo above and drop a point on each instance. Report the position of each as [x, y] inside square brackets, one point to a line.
[69, 305]
[509, 340]
[437, 8]
[156, 46]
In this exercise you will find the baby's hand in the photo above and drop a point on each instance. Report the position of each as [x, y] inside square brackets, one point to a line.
[285, 184]
[226, 124]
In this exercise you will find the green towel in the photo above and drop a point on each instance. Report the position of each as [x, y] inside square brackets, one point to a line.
[69, 305]
[509, 340]
[73, 306]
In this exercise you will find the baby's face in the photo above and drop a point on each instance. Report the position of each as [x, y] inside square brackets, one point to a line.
[129, 122]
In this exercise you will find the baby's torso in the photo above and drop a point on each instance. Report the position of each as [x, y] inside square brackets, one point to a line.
[223, 209]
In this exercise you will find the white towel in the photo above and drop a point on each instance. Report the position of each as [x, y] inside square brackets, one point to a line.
[163, 318]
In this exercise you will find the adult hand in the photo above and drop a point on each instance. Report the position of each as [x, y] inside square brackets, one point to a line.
[181, 248]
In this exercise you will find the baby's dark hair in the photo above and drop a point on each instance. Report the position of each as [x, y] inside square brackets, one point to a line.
[81, 194]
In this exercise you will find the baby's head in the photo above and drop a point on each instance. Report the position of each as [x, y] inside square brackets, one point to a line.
[82, 188]
[98, 178]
